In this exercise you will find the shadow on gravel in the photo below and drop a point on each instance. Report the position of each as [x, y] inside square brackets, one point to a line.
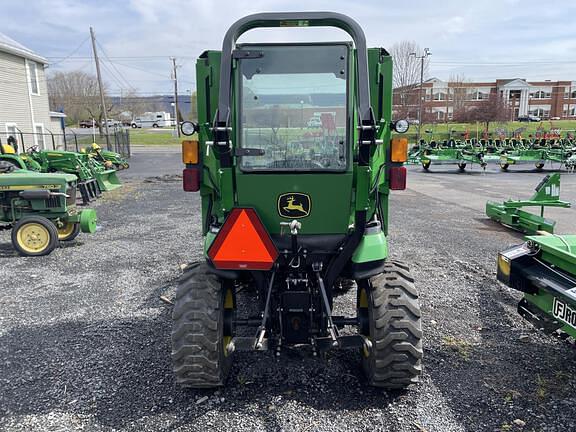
[499, 228]
[7, 251]
[120, 372]
[514, 372]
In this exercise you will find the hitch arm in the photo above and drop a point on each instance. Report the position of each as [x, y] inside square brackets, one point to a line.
[262, 329]
[316, 267]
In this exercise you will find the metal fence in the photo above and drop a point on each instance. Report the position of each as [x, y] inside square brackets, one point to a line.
[118, 140]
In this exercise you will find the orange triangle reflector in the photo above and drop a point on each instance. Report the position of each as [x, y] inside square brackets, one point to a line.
[243, 243]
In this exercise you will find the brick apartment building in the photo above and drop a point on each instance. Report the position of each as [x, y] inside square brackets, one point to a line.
[544, 99]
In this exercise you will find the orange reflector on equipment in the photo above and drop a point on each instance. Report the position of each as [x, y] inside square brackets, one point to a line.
[399, 150]
[243, 243]
[190, 152]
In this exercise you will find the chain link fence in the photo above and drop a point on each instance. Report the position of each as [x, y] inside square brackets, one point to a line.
[117, 140]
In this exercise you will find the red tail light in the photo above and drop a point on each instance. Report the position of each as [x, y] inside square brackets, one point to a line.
[191, 179]
[398, 178]
[243, 243]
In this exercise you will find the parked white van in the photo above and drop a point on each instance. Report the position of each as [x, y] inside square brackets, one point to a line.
[152, 119]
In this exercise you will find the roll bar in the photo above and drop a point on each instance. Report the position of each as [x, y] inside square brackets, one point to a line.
[294, 19]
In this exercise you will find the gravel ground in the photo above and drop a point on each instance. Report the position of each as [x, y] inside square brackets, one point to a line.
[84, 336]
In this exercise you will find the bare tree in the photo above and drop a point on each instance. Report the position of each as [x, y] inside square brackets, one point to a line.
[77, 93]
[457, 93]
[406, 77]
[491, 110]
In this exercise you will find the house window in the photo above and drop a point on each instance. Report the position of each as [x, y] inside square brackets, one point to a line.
[541, 94]
[439, 96]
[540, 112]
[39, 135]
[11, 130]
[33, 77]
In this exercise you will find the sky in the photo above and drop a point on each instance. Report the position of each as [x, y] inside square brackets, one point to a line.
[483, 40]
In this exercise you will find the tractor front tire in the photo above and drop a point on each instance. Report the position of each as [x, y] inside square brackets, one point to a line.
[539, 166]
[393, 323]
[199, 354]
[426, 165]
[34, 236]
[462, 167]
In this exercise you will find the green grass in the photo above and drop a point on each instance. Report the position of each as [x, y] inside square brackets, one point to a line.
[153, 137]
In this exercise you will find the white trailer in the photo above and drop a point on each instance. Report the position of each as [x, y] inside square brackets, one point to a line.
[152, 119]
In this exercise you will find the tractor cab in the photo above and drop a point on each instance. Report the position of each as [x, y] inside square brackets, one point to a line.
[294, 161]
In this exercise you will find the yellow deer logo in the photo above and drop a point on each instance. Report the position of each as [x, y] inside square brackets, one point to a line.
[294, 205]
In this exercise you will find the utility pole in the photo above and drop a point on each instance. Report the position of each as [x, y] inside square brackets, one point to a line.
[102, 103]
[175, 96]
[420, 103]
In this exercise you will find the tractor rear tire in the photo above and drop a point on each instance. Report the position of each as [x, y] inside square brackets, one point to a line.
[199, 356]
[504, 166]
[68, 232]
[393, 324]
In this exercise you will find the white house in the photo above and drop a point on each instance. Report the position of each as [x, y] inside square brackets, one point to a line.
[24, 109]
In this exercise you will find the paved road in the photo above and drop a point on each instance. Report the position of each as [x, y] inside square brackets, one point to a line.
[84, 336]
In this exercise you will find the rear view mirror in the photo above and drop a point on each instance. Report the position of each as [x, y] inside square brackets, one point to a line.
[188, 128]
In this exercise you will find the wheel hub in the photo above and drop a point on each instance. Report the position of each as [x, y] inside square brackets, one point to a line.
[33, 238]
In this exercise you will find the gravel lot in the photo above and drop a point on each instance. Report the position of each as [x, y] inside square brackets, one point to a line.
[84, 336]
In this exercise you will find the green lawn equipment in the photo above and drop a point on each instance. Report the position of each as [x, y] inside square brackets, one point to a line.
[524, 153]
[40, 209]
[544, 269]
[510, 212]
[451, 152]
[93, 177]
[294, 174]
[9, 154]
[106, 157]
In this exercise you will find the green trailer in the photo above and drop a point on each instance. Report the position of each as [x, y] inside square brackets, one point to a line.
[544, 269]
[294, 163]
[40, 209]
[510, 212]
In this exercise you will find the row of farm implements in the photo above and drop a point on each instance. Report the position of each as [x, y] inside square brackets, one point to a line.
[504, 152]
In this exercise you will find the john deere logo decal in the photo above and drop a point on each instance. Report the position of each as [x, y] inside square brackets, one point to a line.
[293, 205]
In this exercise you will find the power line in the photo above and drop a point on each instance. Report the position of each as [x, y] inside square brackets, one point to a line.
[117, 71]
[73, 52]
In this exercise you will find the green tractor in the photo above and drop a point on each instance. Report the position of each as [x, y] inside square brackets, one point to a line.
[40, 209]
[107, 158]
[294, 164]
[544, 269]
[93, 177]
[9, 154]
